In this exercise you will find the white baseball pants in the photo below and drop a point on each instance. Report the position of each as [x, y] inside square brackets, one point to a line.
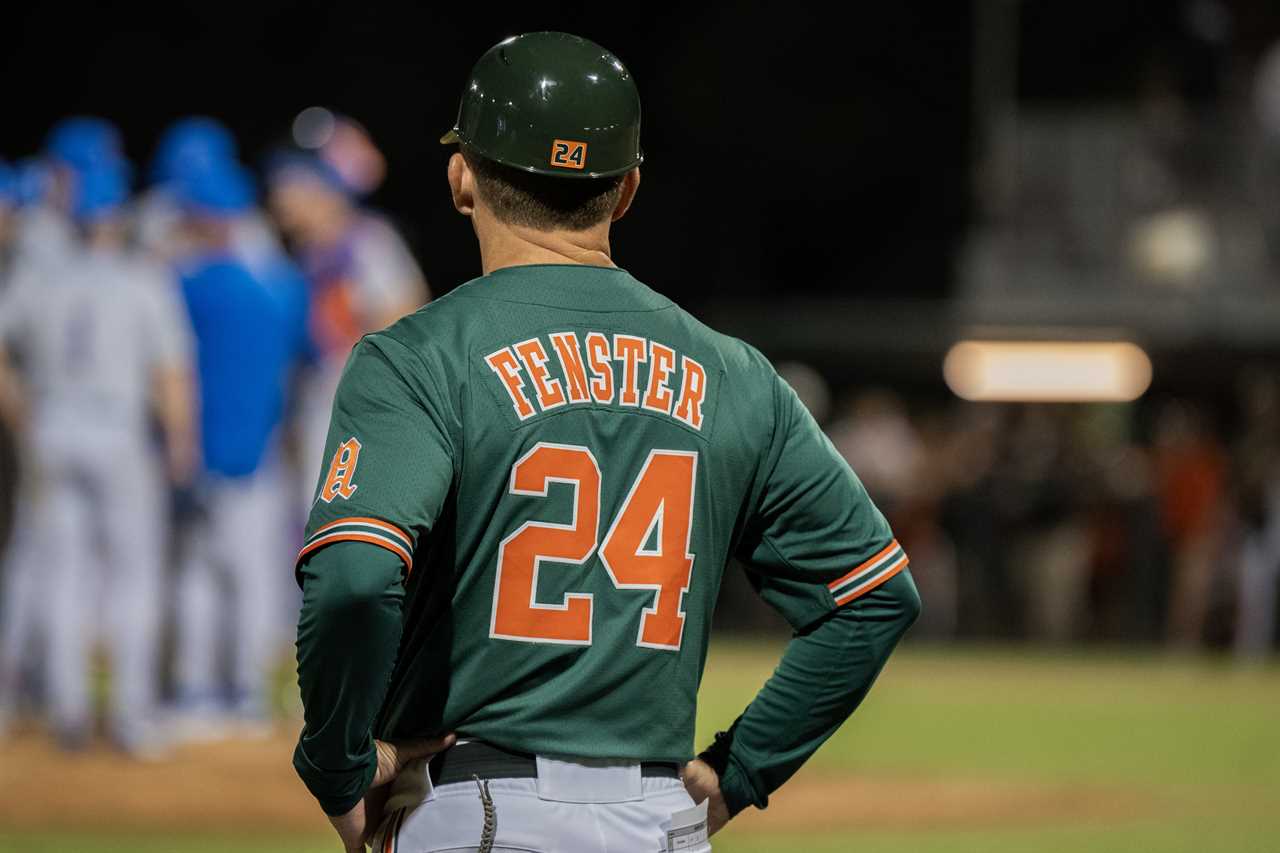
[569, 808]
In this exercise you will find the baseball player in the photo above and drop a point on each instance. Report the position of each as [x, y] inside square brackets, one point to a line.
[361, 277]
[250, 334]
[194, 145]
[8, 206]
[199, 148]
[532, 489]
[9, 402]
[101, 335]
[42, 241]
[40, 244]
[75, 146]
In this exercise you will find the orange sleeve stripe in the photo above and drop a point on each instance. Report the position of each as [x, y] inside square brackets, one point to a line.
[319, 542]
[874, 582]
[372, 522]
[861, 567]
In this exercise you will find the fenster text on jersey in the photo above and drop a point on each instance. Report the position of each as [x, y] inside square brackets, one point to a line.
[601, 369]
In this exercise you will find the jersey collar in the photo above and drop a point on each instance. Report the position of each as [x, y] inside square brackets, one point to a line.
[578, 286]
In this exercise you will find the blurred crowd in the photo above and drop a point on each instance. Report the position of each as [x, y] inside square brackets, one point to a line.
[168, 359]
[1153, 522]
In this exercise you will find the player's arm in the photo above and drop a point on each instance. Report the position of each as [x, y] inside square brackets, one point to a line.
[175, 409]
[822, 554]
[12, 402]
[13, 409]
[173, 389]
[389, 466]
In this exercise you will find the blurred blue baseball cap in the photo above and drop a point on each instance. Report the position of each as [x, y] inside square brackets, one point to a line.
[100, 192]
[8, 185]
[84, 142]
[192, 144]
[223, 190]
[287, 166]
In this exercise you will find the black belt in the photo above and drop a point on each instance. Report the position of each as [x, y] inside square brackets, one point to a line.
[476, 758]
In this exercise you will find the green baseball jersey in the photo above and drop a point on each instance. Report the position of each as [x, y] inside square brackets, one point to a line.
[563, 461]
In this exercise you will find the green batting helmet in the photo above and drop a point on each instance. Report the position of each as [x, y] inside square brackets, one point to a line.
[552, 104]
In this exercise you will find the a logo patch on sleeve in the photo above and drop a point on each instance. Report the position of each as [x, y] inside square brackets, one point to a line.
[568, 154]
[338, 483]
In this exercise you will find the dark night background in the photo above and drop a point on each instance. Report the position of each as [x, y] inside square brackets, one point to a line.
[823, 155]
[791, 152]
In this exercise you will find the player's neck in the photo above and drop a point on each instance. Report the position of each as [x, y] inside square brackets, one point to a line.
[503, 245]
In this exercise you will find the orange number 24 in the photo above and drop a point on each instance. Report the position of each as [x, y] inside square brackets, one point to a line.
[659, 506]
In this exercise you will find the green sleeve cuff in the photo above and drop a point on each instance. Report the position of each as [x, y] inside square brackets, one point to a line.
[734, 785]
[822, 677]
[736, 789]
[337, 792]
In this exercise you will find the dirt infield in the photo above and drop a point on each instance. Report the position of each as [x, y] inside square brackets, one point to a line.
[217, 787]
[251, 784]
[828, 802]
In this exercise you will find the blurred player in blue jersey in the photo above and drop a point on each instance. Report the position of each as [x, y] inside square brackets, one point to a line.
[190, 146]
[104, 345]
[193, 149]
[199, 152]
[250, 334]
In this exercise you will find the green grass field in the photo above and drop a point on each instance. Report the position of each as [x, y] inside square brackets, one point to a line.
[971, 750]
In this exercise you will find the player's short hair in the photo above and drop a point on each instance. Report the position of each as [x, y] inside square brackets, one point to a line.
[544, 202]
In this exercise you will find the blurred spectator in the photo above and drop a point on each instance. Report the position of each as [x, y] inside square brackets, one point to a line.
[1043, 500]
[361, 274]
[883, 446]
[1258, 478]
[250, 335]
[876, 437]
[1128, 596]
[1191, 471]
[101, 335]
[968, 512]
[919, 527]
[810, 387]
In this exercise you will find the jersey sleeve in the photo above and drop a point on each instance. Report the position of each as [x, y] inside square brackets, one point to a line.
[389, 276]
[389, 458]
[814, 541]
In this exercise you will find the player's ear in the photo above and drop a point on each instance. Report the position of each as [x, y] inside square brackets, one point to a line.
[630, 185]
[462, 184]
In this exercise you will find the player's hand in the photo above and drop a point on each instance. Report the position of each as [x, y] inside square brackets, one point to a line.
[703, 783]
[358, 825]
[394, 755]
[182, 460]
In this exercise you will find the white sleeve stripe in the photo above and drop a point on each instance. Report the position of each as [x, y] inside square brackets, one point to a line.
[875, 581]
